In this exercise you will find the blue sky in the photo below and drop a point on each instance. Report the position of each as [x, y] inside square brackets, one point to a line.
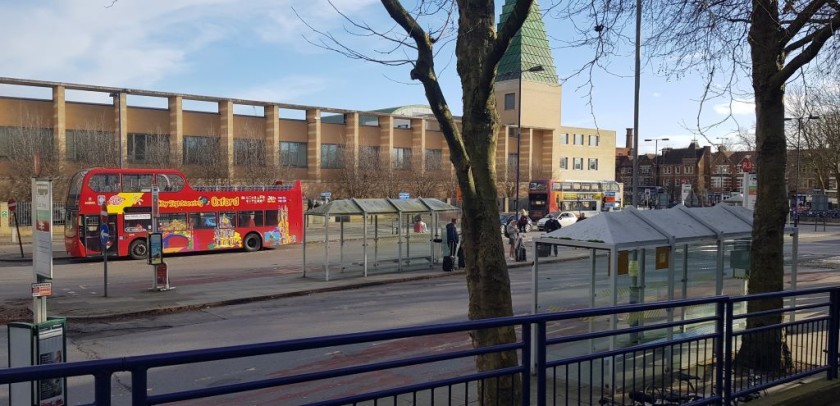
[257, 50]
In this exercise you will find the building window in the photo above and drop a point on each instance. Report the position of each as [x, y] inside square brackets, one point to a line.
[593, 140]
[578, 164]
[24, 142]
[512, 132]
[593, 164]
[677, 170]
[645, 170]
[148, 148]
[293, 154]
[332, 156]
[564, 139]
[722, 169]
[666, 170]
[90, 146]
[578, 139]
[434, 159]
[248, 152]
[201, 150]
[717, 182]
[564, 162]
[688, 170]
[401, 158]
[510, 101]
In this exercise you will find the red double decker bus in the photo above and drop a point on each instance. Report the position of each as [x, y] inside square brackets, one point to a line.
[190, 219]
[586, 198]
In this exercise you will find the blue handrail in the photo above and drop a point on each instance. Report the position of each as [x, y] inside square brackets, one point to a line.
[612, 373]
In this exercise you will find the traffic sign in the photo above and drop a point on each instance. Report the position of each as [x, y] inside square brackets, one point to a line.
[747, 166]
[326, 195]
[12, 204]
[404, 196]
[104, 234]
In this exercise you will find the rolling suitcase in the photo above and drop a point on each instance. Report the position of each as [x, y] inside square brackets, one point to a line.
[520, 254]
[448, 263]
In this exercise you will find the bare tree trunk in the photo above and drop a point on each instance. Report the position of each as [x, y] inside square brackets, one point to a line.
[763, 350]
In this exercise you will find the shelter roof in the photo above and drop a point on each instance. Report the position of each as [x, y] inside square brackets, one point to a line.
[380, 206]
[632, 228]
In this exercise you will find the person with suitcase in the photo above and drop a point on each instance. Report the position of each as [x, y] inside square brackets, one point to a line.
[512, 233]
[452, 242]
[520, 249]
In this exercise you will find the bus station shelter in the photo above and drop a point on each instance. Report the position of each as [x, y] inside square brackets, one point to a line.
[714, 232]
[371, 212]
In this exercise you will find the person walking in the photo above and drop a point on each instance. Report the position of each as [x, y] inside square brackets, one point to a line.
[452, 237]
[512, 232]
[550, 225]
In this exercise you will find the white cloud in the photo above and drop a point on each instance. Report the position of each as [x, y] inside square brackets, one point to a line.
[141, 43]
[84, 41]
[736, 108]
[288, 90]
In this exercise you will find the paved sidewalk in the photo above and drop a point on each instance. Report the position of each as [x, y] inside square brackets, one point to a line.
[193, 293]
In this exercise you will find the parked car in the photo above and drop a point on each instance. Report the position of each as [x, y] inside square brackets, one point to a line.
[504, 218]
[565, 218]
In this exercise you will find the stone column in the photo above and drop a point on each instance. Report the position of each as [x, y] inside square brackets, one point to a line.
[351, 135]
[226, 136]
[313, 145]
[386, 139]
[59, 128]
[176, 131]
[418, 143]
[527, 151]
[121, 128]
[272, 136]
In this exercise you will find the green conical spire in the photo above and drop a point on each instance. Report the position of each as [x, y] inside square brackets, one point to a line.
[528, 49]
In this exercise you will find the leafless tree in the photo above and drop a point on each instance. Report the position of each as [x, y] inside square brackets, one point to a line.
[22, 145]
[771, 41]
[359, 180]
[250, 159]
[472, 143]
[205, 161]
[506, 183]
[93, 144]
[422, 181]
[814, 131]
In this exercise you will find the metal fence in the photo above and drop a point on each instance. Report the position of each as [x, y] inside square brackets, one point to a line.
[24, 213]
[702, 351]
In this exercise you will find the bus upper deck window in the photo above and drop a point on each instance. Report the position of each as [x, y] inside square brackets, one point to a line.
[104, 183]
[170, 182]
[137, 183]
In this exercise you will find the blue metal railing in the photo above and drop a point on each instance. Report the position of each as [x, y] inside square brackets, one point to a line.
[685, 352]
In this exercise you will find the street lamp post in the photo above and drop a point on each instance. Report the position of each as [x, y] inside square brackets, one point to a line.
[538, 68]
[794, 202]
[656, 162]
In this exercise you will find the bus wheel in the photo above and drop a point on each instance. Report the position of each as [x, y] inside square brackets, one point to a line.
[252, 242]
[138, 249]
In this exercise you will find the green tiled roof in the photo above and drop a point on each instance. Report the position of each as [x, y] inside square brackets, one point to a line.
[529, 48]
